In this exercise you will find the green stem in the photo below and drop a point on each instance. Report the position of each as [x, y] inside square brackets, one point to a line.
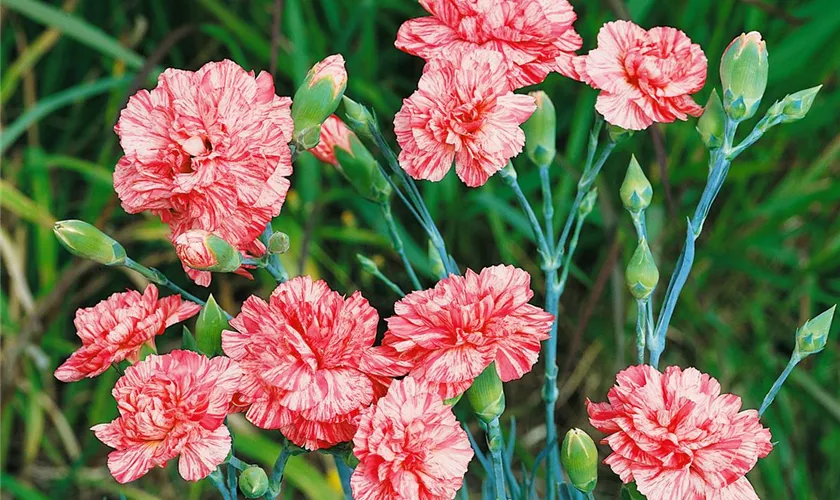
[397, 242]
[495, 444]
[390, 284]
[508, 174]
[218, 479]
[344, 474]
[771, 394]
[275, 482]
[548, 203]
[641, 330]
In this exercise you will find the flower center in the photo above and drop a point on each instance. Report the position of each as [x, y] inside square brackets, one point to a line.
[195, 146]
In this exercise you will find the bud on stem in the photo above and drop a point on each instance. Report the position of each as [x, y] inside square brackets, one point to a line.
[358, 117]
[204, 251]
[317, 98]
[636, 191]
[812, 336]
[711, 124]
[579, 458]
[486, 395]
[642, 275]
[253, 482]
[743, 73]
[86, 241]
[541, 131]
[278, 243]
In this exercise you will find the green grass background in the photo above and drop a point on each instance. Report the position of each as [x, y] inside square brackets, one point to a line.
[769, 257]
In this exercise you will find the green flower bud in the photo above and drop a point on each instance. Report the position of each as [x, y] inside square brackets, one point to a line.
[209, 326]
[588, 203]
[642, 275]
[203, 250]
[85, 240]
[812, 336]
[743, 73]
[278, 243]
[358, 118]
[579, 458]
[795, 106]
[541, 131]
[367, 264]
[436, 262]
[618, 134]
[486, 395]
[253, 482]
[711, 123]
[317, 98]
[636, 191]
[362, 170]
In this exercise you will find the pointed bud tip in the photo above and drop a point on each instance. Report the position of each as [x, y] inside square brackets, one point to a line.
[711, 124]
[87, 241]
[636, 192]
[253, 482]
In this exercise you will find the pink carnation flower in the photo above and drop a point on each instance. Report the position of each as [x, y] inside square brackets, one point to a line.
[644, 76]
[462, 111]
[410, 447]
[171, 405]
[308, 361]
[534, 37]
[116, 328]
[451, 333]
[207, 150]
[334, 134]
[677, 436]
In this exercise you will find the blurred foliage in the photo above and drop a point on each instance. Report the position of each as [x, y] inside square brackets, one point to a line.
[768, 259]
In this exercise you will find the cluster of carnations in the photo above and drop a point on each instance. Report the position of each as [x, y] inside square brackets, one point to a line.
[210, 153]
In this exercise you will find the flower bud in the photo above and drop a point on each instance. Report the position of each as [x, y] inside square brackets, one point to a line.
[641, 275]
[278, 243]
[368, 265]
[253, 482]
[358, 117]
[362, 170]
[541, 131]
[486, 395]
[618, 134]
[588, 203]
[317, 98]
[743, 73]
[203, 250]
[711, 123]
[795, 106]
[812, 336]
[579, 458]
[438, 269]
[636, 191]
[85, 240]
[209, 326]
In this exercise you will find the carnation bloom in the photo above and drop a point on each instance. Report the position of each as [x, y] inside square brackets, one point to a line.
[462, 111]
[677, 436]
[534, 37]
[207, 150]
[171, 405]
[334, 134]
[116, 328]
[451, 333]
[308, 361]
[644, 76]
[410, 447]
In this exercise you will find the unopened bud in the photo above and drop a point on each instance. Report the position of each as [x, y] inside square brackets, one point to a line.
[812, 336]
[209, 326]
[636, 191]
[278, 243]
[743, 73]
[253, 482]
[317, 98]
[588, 203]
[795, 106]
[711, 123]
[642, 275]
[367, 264]
[541, 131]
[359, 118]
[204, 251]
[85, 240]
[436, 262]
[486, 395]
[579, 458]
[618, 134]
[362, 170]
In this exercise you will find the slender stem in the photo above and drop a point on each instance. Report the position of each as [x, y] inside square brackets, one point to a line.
[273, 264]
[218, 479]
[771, 394]
[548, 204]
[396, 241]
[567, 262]
[495, 444]
[641, 330]
[344, 474]
[390, 284]
[239, 464]
[590, 496]
[760, 128]
[509, 175]
[275, 482]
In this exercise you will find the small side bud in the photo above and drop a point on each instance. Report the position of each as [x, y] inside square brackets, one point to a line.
[86, 241]
[278, 243]
[368, 265]
[812, 336]
[486, 395]
[636, 191]
[618, 134]
[209, 326]
[711, 123]
[642, 275]
[588, 203]
[579, 458]
[203, 250]
[743, 73]
[317, 98]
[795, 106]
[358, 118]
[434, 259]
[541, 131]
[253, 482]
[362, 171]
